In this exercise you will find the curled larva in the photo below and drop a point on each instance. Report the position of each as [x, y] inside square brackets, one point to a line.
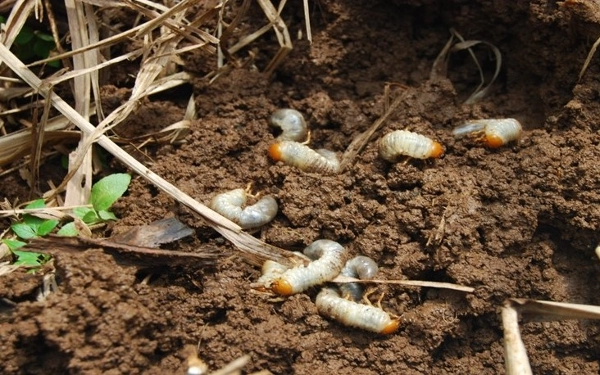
[370, 318]
[328, 260]
[305, 158]
[229, 204]
[292, 124]
[494, 133]
[404, 143]
[360, 267]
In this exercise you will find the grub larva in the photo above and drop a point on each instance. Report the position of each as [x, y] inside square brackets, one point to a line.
[328, 259]
[229, 204]
[305, 158]
[291, 123]
[360, 267]
[404, 143]
[494, 133]
[370, 318]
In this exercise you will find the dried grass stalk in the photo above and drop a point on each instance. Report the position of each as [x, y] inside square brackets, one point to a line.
[516, 361]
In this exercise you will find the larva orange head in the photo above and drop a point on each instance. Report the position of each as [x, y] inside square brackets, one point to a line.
[275, 151]
[437, 150]
[282, 287]
[391, 327]
[493, 141]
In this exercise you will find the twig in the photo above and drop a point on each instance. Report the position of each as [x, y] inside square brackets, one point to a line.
[428, 284]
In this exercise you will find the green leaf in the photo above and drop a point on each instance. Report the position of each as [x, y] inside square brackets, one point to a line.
[91, 218]
[24, 36]
[80, 212]
[46, 227]
[68, 230]
[43, 36]
[38, 203]
[24, 231]
[64, 162]
[23, 51]
[54, 64]
[106, 191]
[106, 215]
[13, 244]
[29, 259]
[32, 221]
[42, 48]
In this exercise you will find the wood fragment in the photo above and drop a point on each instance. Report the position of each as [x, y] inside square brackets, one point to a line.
[154, 234]
[516, 361]
[124, 254]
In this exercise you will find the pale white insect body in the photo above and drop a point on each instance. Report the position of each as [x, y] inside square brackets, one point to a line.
[361, 267]
[271, 271]
[305, 158]
[404, 143]
[495, 132]
[291, 123]
[229, 204]
[370, 318]
[328, 259]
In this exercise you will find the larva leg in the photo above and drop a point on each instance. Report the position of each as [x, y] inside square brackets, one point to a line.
[365, 297]
[248, 191]
[307, 139]
[380, 299]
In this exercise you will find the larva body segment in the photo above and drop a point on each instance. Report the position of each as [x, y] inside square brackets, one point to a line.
[467, 129]
[291, 123]
[500, 132]
[229, 204]
[404, 143]
[328, 260]
[271, 271]
[370, 318]
[305, 158]
[360, 267]
[494, 132]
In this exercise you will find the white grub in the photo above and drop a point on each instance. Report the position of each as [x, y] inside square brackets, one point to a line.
[305, 158]
[360, 267]
[370, 318]
[229, 204]
[328, 259]
[400, 143]
[291, 123]
[493, 132]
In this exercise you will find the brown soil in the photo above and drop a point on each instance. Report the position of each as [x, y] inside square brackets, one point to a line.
[520, 221]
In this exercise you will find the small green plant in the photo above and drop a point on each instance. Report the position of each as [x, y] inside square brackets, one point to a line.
[105, 192]
[31, 45]
[31, 227]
